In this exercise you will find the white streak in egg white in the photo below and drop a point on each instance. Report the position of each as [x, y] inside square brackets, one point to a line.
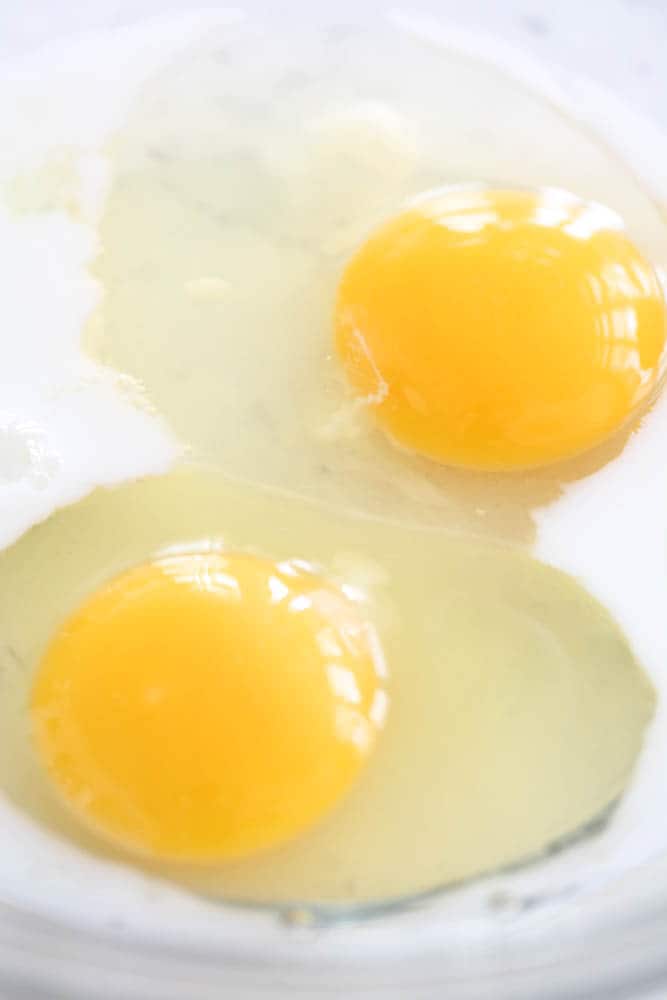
[346, 422]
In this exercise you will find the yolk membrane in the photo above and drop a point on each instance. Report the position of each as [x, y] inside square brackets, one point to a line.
[207, 705]
[501, 329]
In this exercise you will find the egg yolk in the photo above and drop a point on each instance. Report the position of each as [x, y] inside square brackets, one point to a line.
[207, 705]
[501, 329]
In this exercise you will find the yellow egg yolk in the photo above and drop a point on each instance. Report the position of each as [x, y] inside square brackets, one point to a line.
[501, 329]
[207, 705]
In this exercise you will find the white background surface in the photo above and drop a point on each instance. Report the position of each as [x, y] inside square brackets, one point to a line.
[621, 43]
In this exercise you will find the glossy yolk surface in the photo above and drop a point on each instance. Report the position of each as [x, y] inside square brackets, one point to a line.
[206, 705]
[501, 329]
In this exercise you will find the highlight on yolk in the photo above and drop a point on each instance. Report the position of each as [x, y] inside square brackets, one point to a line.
[501, 329]
[207, 705]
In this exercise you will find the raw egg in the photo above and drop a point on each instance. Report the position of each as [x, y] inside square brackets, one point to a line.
[513, 711]
[501, 328]
[206, 705]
